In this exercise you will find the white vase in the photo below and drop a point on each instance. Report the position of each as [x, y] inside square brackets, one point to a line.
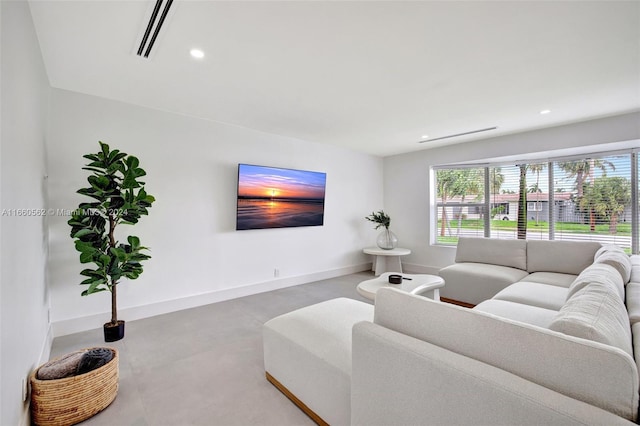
[387, 240]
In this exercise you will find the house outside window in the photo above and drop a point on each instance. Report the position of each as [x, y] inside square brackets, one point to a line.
[592, 198]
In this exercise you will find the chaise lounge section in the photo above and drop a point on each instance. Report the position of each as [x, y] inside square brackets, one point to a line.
[307, 355]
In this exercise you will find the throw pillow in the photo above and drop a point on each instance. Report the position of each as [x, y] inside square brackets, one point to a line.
[595, 313]
[598, 273]
[619, 260]
[606, 249]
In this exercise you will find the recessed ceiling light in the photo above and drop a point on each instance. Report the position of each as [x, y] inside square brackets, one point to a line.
[545, 111]
[197, 53]
[425, 136]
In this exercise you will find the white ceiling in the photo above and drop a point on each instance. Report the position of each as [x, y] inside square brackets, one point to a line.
[369, 76]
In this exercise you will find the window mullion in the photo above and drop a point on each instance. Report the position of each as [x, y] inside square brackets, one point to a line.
[487, 203]
[552, 202]
[635, 214]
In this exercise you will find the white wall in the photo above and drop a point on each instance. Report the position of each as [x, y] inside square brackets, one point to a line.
[24, 298]
[198, 257]
[407, 184]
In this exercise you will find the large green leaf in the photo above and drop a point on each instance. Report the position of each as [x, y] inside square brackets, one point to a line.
[116, 203]
[86, 257]
[93, 288]
[88, 206]
[119, 253]
[132, 162]
[85, 247]
[105, 149]
[93, 273]
[94, 167]
[116, 155]
[134, 241]
[92, 280]
[99, 183]
[83, 232]
[91, 192]
[92, 157]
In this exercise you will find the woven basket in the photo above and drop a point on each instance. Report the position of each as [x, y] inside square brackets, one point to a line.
[73, 399]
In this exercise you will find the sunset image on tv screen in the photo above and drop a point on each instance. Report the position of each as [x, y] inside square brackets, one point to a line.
[271, 197]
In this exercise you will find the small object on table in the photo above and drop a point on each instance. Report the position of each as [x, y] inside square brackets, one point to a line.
[395, 279]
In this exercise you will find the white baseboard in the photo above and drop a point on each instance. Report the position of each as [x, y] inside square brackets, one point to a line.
[25, 420]
[90, 322]
[45, 353]
[419, 269]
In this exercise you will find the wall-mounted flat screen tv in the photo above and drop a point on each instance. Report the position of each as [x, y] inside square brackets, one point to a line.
[271, 197]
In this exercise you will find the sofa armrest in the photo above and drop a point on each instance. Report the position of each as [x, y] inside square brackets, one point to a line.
[426, 288]
[397, 379]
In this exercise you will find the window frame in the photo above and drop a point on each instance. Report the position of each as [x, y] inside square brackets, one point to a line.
[487, 203]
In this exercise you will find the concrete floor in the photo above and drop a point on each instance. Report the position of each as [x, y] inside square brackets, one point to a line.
[203, 366]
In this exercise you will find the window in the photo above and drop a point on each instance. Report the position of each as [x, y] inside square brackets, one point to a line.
[536, 206]
[594, 198]
[461, 203]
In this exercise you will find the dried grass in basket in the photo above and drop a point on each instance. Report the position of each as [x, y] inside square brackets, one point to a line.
[73, 399]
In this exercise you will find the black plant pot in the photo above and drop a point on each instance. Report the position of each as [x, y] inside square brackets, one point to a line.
[112, 332]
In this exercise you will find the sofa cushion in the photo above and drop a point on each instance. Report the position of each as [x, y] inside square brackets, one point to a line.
[619, 260]
[474, 282]
[601, 274]
[511, 253]
[635, 268]
[535, 294]
[633, 301]
[635, 331]
[568, 257]
[533, 315]
[596, 313]
[551, 278]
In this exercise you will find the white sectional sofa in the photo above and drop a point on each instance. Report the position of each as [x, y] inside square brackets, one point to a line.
[554, 346]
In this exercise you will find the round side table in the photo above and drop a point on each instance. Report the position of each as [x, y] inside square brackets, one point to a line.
[386, 260]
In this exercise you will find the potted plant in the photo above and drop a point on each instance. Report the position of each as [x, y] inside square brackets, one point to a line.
[386, 240]
[118, 197]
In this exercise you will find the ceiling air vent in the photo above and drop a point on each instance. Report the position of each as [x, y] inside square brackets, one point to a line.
[153, 27]
[458, 134]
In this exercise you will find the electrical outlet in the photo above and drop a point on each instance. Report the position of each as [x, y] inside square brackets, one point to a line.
[276, 272]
